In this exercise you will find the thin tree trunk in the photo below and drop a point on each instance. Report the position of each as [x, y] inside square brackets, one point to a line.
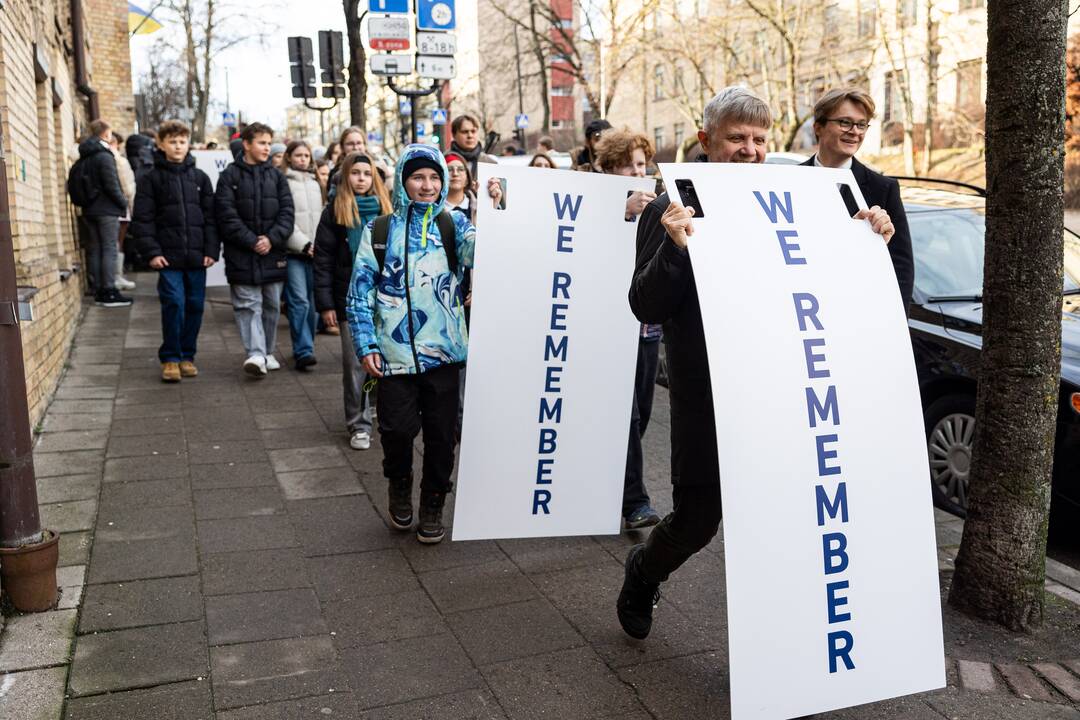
[545, 94]
[357, 66]
[1001, 566]
[932, 50]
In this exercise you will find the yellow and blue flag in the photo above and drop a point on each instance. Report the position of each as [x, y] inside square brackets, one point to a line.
[140, 21]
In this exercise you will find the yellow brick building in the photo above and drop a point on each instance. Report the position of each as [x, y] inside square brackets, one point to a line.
[60, 60]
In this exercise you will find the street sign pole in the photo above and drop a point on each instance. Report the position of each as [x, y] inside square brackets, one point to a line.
[411, 94]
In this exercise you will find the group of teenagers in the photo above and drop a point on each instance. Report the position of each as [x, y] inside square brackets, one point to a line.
[389, 262]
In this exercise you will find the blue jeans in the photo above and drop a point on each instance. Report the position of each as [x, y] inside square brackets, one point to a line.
[182, 294]
[300, 297]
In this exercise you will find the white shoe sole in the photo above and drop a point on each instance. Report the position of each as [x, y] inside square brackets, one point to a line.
[430, 540]
[254, 370]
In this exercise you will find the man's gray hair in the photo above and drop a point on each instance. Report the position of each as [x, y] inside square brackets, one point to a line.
[738, 104]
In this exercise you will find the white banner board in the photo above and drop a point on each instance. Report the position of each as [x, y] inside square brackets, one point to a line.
[212, 162]
[552, 353]
[828, 525]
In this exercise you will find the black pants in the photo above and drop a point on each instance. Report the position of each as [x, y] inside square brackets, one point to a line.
[409, 404]
[634, 493]
[689, 528]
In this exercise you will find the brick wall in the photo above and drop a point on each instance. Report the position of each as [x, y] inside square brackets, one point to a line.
[39, 137]
[110, 52]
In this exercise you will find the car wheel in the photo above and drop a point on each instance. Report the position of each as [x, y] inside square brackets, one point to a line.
[950, 433]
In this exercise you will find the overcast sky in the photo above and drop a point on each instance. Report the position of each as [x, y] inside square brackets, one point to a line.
[259, 83]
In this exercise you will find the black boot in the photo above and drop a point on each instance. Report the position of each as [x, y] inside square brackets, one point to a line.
[637, 598]
[430, 529]
[401, 512]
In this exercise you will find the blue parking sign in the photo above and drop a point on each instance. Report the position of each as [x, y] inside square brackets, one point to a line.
[438, 116]
[521, 122]
[435, 14]
[388, 6]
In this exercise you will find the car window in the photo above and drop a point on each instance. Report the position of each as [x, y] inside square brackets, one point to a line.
[949, 249]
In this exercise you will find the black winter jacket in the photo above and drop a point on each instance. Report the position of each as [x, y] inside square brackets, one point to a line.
[174, 214]
[333, 264]
[101, 164]
[253, 200]
[663, 291]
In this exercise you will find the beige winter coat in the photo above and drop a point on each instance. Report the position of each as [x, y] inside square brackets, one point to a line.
[127, 179]
[308, 204]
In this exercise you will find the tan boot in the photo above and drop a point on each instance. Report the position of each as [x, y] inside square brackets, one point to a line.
[188, 369]
[170, 372]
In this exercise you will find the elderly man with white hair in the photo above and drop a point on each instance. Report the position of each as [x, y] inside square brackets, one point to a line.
[663, 291]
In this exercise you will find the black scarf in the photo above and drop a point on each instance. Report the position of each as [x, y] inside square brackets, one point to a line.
[473, 156]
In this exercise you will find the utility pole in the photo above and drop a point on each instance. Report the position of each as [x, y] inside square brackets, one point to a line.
[413, 95]
[520, 132]
[228, 103]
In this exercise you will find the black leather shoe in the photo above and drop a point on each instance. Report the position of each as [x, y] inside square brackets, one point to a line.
[637, 598]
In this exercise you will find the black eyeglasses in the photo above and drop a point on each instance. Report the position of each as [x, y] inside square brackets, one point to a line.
[847, 124]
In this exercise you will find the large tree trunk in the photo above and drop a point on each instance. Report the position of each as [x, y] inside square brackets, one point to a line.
[357, 66]
[1001, 566]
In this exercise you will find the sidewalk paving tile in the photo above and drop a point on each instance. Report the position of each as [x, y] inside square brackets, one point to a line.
[180, 701]
[64, 488]
[74, 462]
[138, 658]
[345, 524]
[33, 694]
[245, 533]
[478, 586]
[37, 640]
[215, 452]
[254, 571]
[146, 467]
[148, 413]
[230, 475]
[85, 392]
[68, 407]
[254, 617]
[539, 555]
[508, 632]
[282, 420]
[338, 706]
[978, 676]
[237, 502]
[135, 603]
[265, 672]
[85, 421]
[142, 427]
[132, 544]
[326, 482]
[139, 445]
[447, 555]
[404, 670]
[307, 458]
[380, 572]
[956, 705]
[1025, 683]
[359, 621]
[72, 516]
[466, 705]
[1066, 683]
[53, 442]
[569, 683]
[119, 497]
[75, 548]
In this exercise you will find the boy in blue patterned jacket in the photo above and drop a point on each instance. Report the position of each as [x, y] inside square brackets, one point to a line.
[406, 315]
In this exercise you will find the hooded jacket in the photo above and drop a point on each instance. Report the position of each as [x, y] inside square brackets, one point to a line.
[412, 310]
[174, 214]
[307, 207]
[253, 200]
[101, 164]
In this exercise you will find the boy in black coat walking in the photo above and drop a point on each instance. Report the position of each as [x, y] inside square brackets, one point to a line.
[174, 223]
[254, 210]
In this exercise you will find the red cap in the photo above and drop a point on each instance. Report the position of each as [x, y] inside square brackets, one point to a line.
[454, 156]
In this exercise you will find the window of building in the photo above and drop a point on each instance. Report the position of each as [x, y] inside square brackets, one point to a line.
[907, 12]
[556, 124]
[658, 82]
[868, 18]
[969, 94]
[893, 98]
[680, 133]
[563, 91]
[658, 138]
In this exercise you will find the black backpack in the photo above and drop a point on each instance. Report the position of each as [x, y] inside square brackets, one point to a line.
[447, 233]
[80, 184]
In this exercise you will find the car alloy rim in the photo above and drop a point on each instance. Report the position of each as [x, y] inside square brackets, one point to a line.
[950, 456]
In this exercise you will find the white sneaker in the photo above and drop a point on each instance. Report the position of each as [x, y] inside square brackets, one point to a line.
[122, 283]
[255, 365]
[272, 363]
[360, 441]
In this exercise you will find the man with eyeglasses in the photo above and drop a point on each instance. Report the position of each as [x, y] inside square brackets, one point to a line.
[841, 118]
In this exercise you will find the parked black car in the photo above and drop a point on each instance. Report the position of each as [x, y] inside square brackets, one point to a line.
[947, 233]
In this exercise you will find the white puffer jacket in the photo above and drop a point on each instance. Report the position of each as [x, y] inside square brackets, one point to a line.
[308, 201]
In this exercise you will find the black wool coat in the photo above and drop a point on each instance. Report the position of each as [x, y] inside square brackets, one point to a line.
[174, 214]
[332, 264]
[253, 200]
[101, 164]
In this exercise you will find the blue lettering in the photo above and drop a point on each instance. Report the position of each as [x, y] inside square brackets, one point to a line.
[543, 471]
[775, 204]
[551, 412]
[541, 498]
[565, 238]
[838, 504]
[563, 204]
[815, 409]
[551, 382]
[835, 651]
[802, 313]
[552, 350]
[547, 440]
[812, 358]
[824, 455]
[839, 552]
[561, 281]
[789, 247]
[558, 314]
[833, 601]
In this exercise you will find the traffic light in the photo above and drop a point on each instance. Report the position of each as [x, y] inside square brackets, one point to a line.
[332, 60]
[303, 67]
